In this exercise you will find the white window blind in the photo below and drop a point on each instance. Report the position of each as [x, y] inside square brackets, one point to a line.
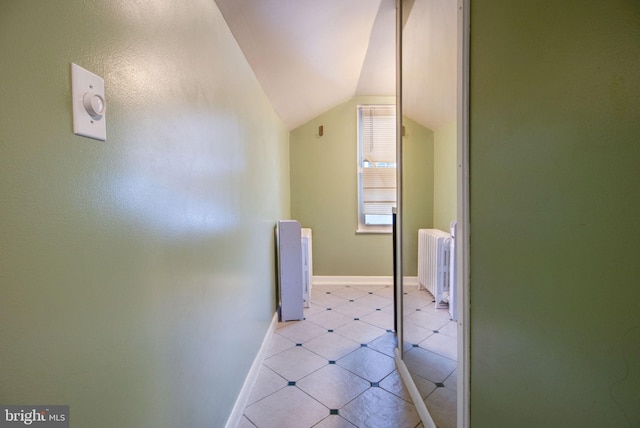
[377, 164]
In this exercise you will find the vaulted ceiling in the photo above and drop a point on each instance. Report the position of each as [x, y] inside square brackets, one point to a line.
[311, 55]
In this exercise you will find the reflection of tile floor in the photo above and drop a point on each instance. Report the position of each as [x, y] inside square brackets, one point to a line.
[431, 342]
[335, 369]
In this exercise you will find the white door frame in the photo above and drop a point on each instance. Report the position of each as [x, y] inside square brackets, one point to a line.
[463, 229]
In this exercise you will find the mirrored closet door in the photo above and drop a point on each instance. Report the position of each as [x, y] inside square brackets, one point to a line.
[428, 330]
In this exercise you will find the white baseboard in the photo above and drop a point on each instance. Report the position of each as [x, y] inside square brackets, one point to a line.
[423, 412]
[342, 281]
[252, 376]
[410, 281]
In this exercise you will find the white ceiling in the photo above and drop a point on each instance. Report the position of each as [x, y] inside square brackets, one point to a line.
[311, 55]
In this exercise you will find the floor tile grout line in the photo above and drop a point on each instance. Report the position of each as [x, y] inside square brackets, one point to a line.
[401, 388]
[336, 361]
[365, 391]
[434, 352]
[311, 396]
[437, 388]
[325, 327]
[264, 398]
[433, 381]
[250, 421]
[371, 310]
[341, 407]
[315, 353]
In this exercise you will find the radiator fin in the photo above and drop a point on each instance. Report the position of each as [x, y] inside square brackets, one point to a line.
[307, 265]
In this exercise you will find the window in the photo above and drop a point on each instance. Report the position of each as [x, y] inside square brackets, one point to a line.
[376, 167]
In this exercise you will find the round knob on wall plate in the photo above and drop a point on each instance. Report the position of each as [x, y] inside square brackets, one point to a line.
[94, 105]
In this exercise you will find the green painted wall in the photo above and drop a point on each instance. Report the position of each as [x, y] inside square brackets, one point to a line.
[123, 264]
[324, 193]
[418, 181]
[445, 149]
[555, 237]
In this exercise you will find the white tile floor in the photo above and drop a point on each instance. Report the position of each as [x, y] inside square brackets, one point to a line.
[431, 354]
[336, 367]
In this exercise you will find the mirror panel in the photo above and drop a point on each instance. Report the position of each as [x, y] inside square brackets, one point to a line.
[429, 77]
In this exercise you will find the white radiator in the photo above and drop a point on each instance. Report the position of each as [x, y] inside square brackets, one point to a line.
[453, 299]
[307, 265]
[288, 238]
[434, 248]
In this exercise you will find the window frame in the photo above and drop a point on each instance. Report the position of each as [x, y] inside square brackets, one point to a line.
[364, 228]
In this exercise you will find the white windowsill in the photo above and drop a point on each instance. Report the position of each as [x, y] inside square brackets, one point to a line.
[374, 231]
